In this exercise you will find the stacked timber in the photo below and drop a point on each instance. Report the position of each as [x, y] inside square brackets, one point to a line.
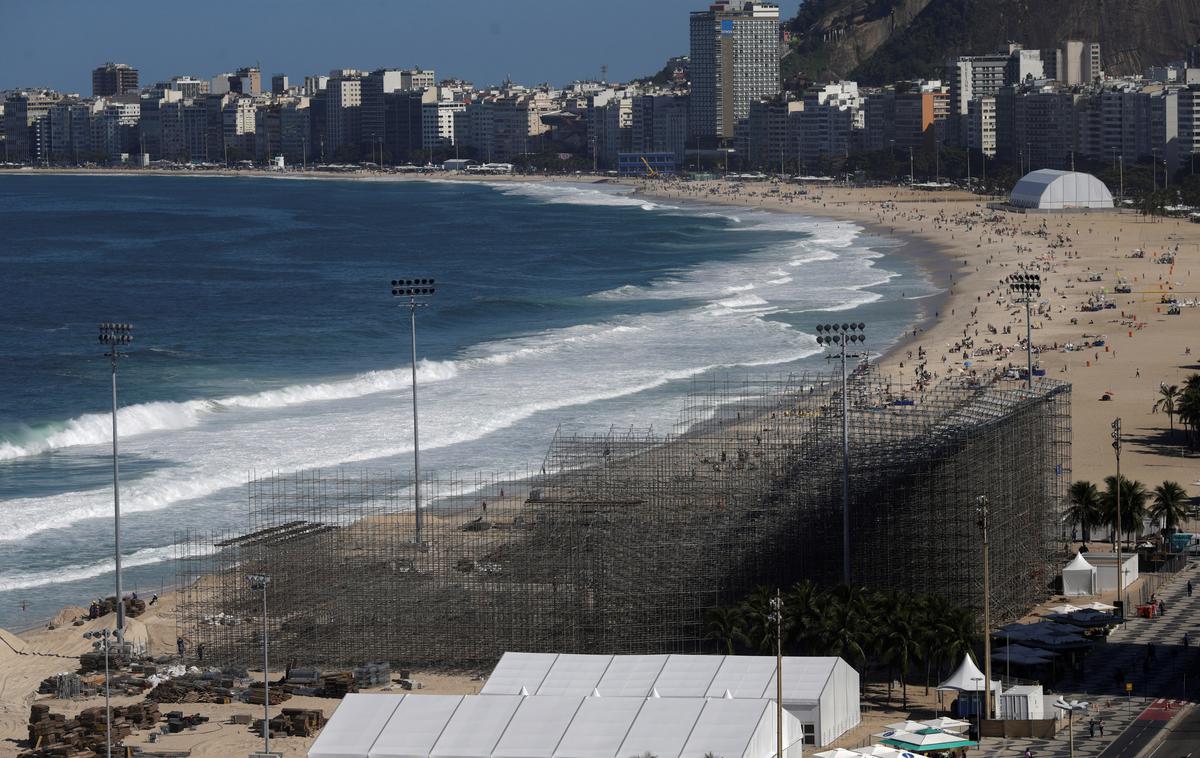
[277, 694]
[53, 735]
[338, 685]
[373, 674]
[294, 722]
[192, 689]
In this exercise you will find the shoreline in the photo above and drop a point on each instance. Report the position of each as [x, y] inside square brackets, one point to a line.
[928, 250]
[929, 259]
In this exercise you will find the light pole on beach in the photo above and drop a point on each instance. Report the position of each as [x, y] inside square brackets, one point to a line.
[115, 336]
[841, 335]
[414, 292]
[261, 581]
[103, 638]
[1026, 288]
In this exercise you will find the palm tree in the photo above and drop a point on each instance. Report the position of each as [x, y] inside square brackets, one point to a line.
[1168, 402]
[1188, 409]
[847, 629]
[801, 607]
[1084, 510]
[902, 642]
[727, 626]
[1133, 505]
[1170, 505]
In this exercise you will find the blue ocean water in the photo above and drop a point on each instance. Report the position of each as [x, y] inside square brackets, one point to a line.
[267, 339]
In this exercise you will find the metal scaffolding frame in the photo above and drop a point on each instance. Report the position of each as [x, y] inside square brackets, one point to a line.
[626, 539]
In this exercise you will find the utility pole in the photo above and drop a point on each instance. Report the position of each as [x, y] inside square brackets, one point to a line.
[260, 581]
[1116, 444]
[777, 617]
[912, 171]
[981, 507]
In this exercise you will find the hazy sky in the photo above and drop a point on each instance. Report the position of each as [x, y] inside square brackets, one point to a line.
[56, 43]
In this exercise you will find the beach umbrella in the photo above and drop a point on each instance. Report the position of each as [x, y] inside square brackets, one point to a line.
[838, 753]
[879, 751]
[946, 723]
[1065, 608]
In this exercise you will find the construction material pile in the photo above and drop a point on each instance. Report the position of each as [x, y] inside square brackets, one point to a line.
[257, 694]
[338, 685]
[53, 735]
[294, 722]
[194, 688]
[373, 674]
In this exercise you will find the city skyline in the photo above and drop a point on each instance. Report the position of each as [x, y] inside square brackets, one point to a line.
[489, 42]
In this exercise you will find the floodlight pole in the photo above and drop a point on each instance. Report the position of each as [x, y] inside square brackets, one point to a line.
[840, 334]
[257, 581]
[115, 335]
[413, 289]
[103, 635]
[1027, 287]
[981, 506]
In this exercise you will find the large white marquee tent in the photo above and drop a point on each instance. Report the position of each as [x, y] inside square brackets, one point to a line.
[1052, 190]
[553, 726]
[821, 692]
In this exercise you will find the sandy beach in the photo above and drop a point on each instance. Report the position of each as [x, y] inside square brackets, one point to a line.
[967, 250]
[1081, 257]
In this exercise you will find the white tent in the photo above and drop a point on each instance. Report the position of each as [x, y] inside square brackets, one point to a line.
[947, 724]
[1079, 577]
[1106, 570]
[553, 726]
[966, 678]
[1049, 189]
[822, 692]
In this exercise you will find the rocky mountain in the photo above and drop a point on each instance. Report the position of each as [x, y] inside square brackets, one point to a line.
[881, 41]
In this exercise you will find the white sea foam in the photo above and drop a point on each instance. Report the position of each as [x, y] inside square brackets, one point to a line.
[25, 580]
[579, 194]
[721, 320]
[134, 420]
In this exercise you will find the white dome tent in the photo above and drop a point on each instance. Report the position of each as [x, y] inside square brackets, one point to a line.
[1052, 190]
[1079, 577]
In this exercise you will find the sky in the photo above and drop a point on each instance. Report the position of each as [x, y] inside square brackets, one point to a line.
[56, 43]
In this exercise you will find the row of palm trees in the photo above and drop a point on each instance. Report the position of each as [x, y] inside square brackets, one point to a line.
[1182, 402]
[895, 631]
[1091, 507]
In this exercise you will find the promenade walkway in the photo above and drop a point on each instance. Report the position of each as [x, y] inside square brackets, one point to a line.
[1161, 685]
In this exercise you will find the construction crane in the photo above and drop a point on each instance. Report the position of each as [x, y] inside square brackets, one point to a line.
[650, 172]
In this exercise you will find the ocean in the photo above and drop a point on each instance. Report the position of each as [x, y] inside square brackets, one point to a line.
[267, 340]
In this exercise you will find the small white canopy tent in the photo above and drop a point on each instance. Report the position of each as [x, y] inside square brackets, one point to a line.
[968, 679]
[1051, 190]
[553, 726]
[1079, 577]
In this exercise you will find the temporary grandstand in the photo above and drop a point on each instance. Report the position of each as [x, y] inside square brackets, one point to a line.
[625, 540]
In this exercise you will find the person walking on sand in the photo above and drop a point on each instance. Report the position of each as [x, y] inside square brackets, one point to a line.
[1189, 587]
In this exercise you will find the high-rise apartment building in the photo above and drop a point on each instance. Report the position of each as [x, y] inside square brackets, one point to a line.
[375, 87]
[114, 79]
[659, 124]
[343, 110]
[416, 78]
[1073, 63]
[734, 62]
[981, 125]
[246, 81]
[27, 125]
[279, 84]
[440, 124]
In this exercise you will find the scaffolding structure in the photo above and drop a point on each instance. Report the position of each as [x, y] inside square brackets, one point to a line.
[625, 540]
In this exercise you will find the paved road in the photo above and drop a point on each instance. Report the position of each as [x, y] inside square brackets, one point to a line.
[1148, 725]
[1183, 741]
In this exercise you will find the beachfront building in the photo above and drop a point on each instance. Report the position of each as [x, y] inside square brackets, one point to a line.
[734, 62]
[552, 726]
[1052, 190]
[114, 79]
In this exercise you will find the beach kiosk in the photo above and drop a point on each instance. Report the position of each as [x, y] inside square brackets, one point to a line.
[1079, 577]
